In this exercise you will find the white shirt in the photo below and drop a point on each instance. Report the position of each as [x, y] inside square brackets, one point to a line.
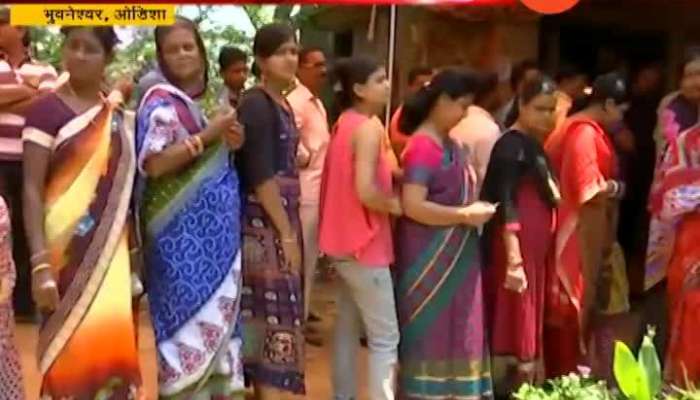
[311, 121]
[479, 132]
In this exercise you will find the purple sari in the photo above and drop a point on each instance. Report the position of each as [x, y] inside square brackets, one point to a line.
[443, 351]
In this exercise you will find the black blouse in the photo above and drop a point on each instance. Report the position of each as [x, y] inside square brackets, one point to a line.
[268, 133]
[515, 156]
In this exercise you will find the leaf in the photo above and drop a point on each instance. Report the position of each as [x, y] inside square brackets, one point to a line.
[649, 362]
[628, 373]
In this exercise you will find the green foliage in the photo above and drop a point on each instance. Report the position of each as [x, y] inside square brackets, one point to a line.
[638, 379]
[46, 45]
[136, 57]
[630, 378]
[570, 387]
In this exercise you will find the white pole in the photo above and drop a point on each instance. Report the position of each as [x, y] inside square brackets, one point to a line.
[390, 66]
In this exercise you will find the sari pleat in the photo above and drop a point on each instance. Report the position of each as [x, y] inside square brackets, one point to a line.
[87, 346]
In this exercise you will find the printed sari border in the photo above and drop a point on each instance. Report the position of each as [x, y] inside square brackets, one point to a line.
[205, 171]
[197, 380]
[38, 137]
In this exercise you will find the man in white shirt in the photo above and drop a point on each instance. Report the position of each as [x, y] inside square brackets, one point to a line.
[479, 130]
[312, 122]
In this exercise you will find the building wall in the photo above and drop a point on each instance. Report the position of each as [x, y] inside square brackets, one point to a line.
[439, 40]
[428, 37]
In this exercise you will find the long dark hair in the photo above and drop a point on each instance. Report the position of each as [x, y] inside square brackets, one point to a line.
[161, 32]
[349, 72]
[451, 82]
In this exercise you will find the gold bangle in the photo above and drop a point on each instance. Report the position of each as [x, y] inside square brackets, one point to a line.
[190, 147]
[41, 267]
[290, 240]
[199, 144]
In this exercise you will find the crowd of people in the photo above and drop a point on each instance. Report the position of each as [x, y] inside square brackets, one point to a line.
[474, 239]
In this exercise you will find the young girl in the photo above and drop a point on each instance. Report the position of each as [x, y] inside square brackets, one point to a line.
[355, 229]
[272, 303]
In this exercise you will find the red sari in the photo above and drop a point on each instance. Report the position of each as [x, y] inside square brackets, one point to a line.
[674, 241]
[584, 158]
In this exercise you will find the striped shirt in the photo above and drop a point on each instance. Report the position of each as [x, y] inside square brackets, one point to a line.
[18, 86]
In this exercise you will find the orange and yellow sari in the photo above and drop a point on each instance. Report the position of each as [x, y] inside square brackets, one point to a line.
[87, 347]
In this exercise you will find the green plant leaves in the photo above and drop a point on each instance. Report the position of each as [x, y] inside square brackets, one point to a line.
[629, 375]
[569, 387]
[649, 363]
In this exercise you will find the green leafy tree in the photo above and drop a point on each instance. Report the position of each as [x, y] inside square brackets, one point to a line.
[138, 55]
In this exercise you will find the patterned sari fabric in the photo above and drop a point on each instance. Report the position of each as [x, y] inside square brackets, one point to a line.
[87, 347]
[10, 368]
[190, 224]
[584, 158]
[673, 168]
[673, 251]
[443, 351]
[272, 303]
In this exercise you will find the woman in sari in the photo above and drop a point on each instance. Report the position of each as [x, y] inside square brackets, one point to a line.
[444, 349]
[674, 237]
[519, 242]
[272, 303]
[583, 155]
[188, 203]
[357, 195]
[79, 167]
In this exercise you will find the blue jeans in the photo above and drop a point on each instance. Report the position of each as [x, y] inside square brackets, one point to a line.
[365, 297]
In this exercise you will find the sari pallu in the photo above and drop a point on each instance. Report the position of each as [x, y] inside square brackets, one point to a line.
[443, 351]
[673, 249]
[87, 347]
[190, 224]
[584, 158]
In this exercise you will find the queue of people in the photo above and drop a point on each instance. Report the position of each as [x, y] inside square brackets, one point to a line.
[471, 240]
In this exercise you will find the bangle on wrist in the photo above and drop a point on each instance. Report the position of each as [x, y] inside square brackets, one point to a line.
[190, 147]
[199, 144]
[41, 267]
[289, 239]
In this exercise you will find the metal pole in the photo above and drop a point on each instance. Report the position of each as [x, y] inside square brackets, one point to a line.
[390, 66]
